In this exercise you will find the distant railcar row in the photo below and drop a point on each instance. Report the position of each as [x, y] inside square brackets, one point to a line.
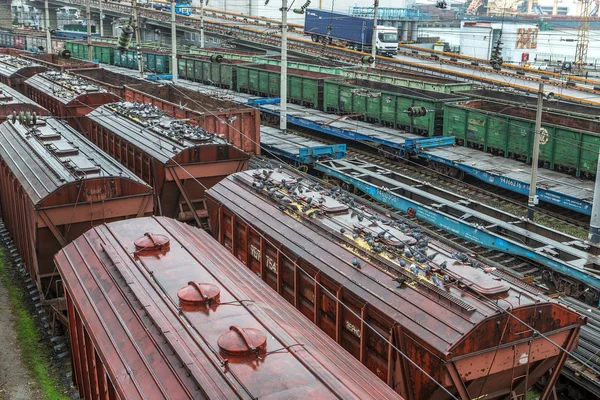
[490, 125]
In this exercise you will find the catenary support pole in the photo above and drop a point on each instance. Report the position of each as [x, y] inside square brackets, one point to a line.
[48, 36]
[101, 18]
[138, 41]
[594, 235]
[374, 39]
[174, 67]
[202, 24]
[536, 153]
[283, 84]
[89, 29]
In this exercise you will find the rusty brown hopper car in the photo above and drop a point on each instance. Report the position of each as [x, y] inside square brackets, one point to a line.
[112, 81]
[14, 71]
[66, 95]
[13, 102]
[240, 124]
[178, 159]
[57, 63]
[55, 185]
[456, 318]
[165, 302]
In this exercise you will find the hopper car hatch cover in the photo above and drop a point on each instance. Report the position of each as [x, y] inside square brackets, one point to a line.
[445, 310]
[208, 328]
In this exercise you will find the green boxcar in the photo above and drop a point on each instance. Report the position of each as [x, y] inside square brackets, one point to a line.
[387, 104]
[410, 80]
[507, 130]
[201, 69]
[154, 62]
[304, 87]
[103, 52]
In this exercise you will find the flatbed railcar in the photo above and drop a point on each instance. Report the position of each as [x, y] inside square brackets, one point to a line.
[14, 71]
[570, 144]
[17, 104]
[55, 184]
[66, 96]
[208, 328]
[239, 124]
[178, 159]
[457, 318]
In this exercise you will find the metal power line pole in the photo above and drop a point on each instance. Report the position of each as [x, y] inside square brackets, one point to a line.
[374, 39]
[101, 18]
[48, 36]
[201, 24]
[137, 38]
[89, 29]
[594, 235]
[532, 201]
[174, 67]
[283, 84]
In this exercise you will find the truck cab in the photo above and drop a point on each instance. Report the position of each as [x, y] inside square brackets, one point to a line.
[387, 40]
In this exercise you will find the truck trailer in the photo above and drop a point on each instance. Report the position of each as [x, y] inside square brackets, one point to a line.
[346, 30]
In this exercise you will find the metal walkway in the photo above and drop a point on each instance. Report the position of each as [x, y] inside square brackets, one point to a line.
[475, 222]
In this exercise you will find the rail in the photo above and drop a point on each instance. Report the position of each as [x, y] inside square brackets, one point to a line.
[267, 37]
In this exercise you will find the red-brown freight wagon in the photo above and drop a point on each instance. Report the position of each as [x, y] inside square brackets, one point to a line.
[55, 185]
[178, 159]
[476, 333]
[112, 81]
[240, 124]
[14, 71]
[66, 96]
[56, 62]
[158, 309]
[15, 103]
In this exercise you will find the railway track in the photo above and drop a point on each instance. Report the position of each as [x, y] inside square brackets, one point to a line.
[563, 220]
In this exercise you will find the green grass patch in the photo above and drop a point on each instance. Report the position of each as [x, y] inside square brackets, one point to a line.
[34, 354]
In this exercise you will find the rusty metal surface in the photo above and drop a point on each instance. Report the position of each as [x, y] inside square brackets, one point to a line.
[53, 61]
[446, 311]
[239, 124]
[249, 344]
[112, 81]
[55, 185]
[15, 70]
[11, 101]
[169, 154]
[67, 88]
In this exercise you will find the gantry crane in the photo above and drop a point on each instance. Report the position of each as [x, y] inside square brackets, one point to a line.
[583, 37]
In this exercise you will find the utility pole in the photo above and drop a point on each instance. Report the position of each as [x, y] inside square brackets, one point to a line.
[89, 29]
[283, 84]
[201, 24]
[136, 24]
[532, 201]
[101, 18]
[174, 67]
[374, 39]
[594, 235]
[48, 36]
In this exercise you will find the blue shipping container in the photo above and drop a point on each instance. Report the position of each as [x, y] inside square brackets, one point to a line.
[343, 26]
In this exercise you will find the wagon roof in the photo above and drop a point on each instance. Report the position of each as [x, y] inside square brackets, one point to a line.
[322, 231]
[175, 349]
[151, 131]
[63, 86]
[9, 95]
[53, 155]
[11, 66]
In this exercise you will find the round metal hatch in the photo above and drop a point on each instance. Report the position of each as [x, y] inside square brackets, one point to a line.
[151, 243]
[197, 294]
[242, 341]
